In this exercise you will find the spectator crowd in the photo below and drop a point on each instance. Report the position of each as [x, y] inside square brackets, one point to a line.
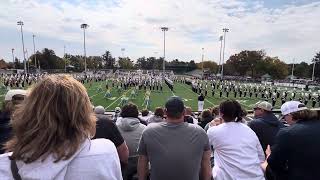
[52, 131]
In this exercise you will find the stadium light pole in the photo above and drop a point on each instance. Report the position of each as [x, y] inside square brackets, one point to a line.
[225, 30]
[122, 52]
[220, 39]
[202, 63]
[20, 23]
[12, 51]
[34, 51]
[164, 29]
[84, 27]
[27, 60]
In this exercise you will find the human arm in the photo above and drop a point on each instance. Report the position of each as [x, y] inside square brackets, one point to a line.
[123, 153]
[142, 167]
[205, 172]
[264, 165]
[278, 158]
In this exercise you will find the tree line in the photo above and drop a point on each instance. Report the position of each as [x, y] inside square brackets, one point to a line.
[246, 63]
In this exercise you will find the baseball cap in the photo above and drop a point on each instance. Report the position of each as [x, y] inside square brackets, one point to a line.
[263, 105]
[13, 92]
[291, 107]
[99, 110]
[174, 105]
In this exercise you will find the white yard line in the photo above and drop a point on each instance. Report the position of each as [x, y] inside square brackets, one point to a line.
[173, 93]
[236, 100]
[96, 94]
[117, 99]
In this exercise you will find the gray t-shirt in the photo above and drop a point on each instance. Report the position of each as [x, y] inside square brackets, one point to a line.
[174, 150]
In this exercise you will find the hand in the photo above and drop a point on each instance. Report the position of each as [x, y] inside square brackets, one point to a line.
[268, 151]
[216, 122]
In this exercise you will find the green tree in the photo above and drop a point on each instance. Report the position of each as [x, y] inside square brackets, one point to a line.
[109, 61]
[245, 61]
[125, 63]
[316, 60]
[211, 65]
[141, 63]
[192, 65]
[302, 70]
[18, 64]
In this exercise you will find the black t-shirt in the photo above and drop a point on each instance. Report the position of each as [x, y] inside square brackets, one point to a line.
[201, 98]
[107, 129]
[188, 119]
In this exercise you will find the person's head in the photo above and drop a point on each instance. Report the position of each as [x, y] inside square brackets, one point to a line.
[129, 110]
[294, 111]
[12, 99]
[231, 111]
[206, 115]
[145, 112]
[159, 112]
[188, 111]
[215, 111]
[174, 109]
[117, 110]
[99, 110]
[261, 108]
[55, 118]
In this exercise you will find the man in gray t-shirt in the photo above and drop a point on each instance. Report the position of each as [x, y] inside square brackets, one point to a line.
[175, 149]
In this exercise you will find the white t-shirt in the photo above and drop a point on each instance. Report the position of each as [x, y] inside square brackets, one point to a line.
[96, 159]
[237, 152]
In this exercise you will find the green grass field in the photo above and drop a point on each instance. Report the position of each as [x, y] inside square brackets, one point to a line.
[159, 98]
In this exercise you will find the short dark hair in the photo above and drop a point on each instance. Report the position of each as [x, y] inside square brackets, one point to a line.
[145, 112]
[232, 111]
[206, 114]
[174, 107]
[159, 111]
[129, 110]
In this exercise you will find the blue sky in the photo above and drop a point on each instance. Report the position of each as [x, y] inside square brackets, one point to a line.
[284, 28]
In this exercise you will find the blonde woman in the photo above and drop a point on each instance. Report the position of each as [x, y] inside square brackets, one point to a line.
[52, 130]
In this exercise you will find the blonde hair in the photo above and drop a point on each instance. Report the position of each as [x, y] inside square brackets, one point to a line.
[55, 118]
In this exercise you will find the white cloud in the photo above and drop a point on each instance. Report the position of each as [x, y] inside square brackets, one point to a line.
[288, 32]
